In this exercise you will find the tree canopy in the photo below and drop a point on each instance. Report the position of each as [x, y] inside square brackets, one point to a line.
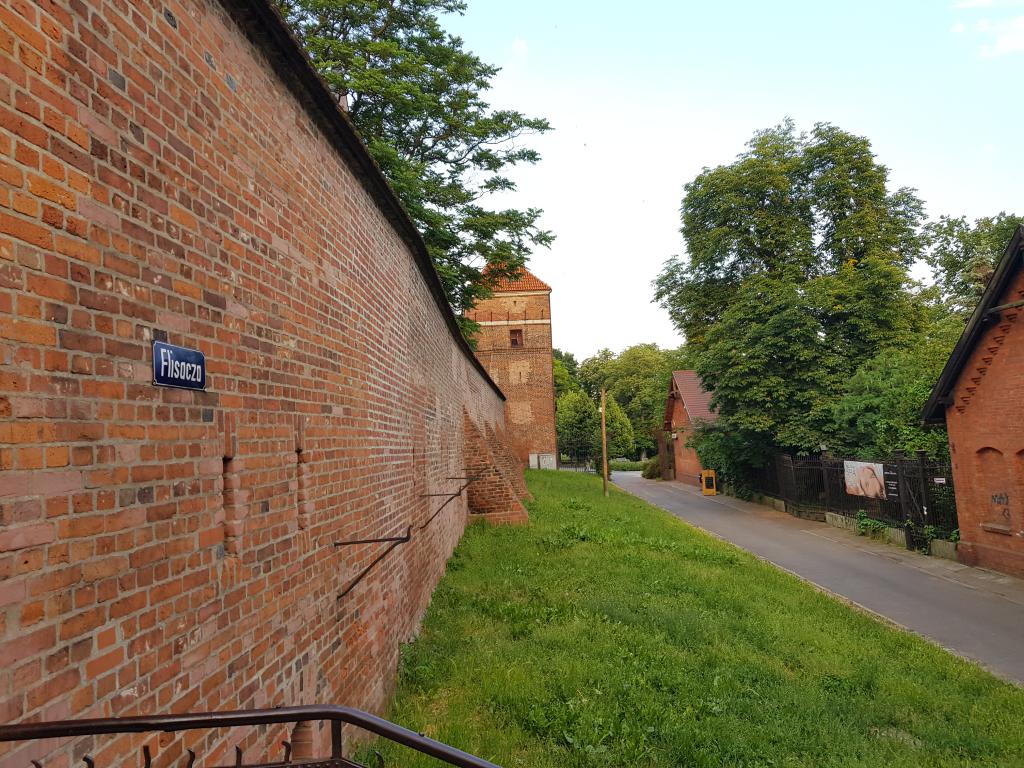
[637, 379]
[564, 381]
[578, 424]
[796, 275]
[619, 431]
[564, 369]
[962, 256]
[879, 411]
[417, 98]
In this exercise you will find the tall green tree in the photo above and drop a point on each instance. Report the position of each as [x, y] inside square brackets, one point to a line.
[770, 368]
[619, 431]
[564, 381]
[568, 360]
[796, 273]
[594, 371]
[638, 379]
[797, 207]
[564, 367]
[963, 255]
[879, 411]
[577, 424]
[417, 98]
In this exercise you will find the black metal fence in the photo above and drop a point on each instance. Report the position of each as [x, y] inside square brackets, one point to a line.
[914, 493]
[580, 463]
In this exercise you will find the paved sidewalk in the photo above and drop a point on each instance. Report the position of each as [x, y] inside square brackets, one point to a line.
[976, 613]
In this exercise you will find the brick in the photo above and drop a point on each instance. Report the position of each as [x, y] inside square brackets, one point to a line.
[26, 536]
[16, 651]
[174, 541]
[46, 189]
[27, 231]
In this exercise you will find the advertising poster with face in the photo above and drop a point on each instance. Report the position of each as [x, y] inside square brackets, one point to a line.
[864, 478]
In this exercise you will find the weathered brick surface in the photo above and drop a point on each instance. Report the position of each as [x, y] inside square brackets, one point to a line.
[507, 463]
[491, 496]
[524, 373]
[166, 550]
[986, 441]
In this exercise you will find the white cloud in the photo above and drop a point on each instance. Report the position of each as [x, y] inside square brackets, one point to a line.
[1009, 38]
[958, 28]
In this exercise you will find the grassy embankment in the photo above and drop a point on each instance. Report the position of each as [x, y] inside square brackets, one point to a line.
[608, 633]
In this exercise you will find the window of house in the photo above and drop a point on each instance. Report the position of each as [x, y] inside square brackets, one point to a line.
[515, 337]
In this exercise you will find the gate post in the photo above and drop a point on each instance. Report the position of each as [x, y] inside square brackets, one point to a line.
[921, 456]
[825, 467]
[906, 498]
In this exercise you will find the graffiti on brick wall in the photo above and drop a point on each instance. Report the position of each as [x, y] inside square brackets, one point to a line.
[1001, 506]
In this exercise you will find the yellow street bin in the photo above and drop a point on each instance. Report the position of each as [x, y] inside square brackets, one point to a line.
[708, 482]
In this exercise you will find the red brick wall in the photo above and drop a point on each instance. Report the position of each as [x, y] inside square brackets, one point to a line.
[523, 373]
[687, 464]
[492, 496]
[986, 439]
[166, 550]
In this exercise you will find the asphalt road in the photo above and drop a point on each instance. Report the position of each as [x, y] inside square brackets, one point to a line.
[976, 613]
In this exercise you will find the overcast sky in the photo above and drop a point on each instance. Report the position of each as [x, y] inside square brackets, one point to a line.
[643, 95]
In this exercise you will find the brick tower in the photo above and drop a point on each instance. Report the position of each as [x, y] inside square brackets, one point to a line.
[514, 344]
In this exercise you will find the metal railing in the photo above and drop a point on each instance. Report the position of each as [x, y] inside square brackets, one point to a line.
[336, 715]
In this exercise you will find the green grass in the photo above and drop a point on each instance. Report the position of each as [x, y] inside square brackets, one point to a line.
[608, 633]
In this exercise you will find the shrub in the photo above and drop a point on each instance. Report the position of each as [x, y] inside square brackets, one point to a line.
[652, 469]
[868, 526]
[622, 465]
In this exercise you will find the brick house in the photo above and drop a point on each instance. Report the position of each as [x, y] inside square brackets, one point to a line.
[687, 403]
[514, 344]
[980, 398]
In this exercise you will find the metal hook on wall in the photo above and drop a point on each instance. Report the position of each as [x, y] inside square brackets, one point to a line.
[382, 540]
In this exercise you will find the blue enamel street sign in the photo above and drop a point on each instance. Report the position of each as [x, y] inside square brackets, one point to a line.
[178, 367]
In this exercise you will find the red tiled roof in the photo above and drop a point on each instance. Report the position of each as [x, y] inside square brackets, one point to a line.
[527, 281]
[696, 399]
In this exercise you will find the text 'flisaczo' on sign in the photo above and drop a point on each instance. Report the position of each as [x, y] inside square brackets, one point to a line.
[178, 366]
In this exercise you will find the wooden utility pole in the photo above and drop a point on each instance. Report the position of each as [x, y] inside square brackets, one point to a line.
[604, 441]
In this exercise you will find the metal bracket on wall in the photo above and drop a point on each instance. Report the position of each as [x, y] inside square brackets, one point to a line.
[396, 541]
[383, 540]
[449, 500]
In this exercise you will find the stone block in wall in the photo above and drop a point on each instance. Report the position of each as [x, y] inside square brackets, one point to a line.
[491, 496]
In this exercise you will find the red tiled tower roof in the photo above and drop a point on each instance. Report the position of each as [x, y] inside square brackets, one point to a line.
[527, 281]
